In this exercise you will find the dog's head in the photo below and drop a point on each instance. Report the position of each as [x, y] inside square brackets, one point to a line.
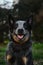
[20, 29]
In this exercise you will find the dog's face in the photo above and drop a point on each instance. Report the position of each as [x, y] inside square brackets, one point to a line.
[20, 29]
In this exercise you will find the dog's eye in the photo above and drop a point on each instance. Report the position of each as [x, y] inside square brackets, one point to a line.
[15, 25]
[25, 25]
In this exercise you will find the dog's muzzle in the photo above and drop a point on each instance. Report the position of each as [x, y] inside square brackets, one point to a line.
[20, 34]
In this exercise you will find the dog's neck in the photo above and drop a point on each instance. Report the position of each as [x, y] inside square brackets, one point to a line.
[27, 44]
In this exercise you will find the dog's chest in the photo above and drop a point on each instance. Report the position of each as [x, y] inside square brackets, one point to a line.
[20, 51]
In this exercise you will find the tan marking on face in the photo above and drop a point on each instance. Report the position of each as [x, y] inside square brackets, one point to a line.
[9, 57]
[26, 39]
[15, 38]
[18, 41]
[25, 59]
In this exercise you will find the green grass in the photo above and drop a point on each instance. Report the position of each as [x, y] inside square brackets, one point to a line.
[37, 51]
[37, 54]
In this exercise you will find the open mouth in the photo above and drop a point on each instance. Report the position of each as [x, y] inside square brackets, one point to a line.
[20, 36]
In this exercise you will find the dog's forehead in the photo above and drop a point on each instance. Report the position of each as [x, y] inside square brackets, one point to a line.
[20, 22]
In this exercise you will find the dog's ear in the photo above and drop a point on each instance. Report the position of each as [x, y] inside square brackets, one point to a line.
[30, 21]
[11, 20]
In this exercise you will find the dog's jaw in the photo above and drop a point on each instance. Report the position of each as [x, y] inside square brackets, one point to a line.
[20, 41]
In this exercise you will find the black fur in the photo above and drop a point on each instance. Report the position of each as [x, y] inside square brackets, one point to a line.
[17, 51]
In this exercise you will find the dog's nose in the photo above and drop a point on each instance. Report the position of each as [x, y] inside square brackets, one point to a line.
[20, 31]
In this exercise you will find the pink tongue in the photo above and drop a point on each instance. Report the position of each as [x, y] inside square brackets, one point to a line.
[20, 36]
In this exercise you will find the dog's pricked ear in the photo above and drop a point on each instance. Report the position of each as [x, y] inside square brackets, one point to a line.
[30, 22]
[11, 20]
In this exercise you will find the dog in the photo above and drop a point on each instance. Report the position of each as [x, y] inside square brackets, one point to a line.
[19, 49]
